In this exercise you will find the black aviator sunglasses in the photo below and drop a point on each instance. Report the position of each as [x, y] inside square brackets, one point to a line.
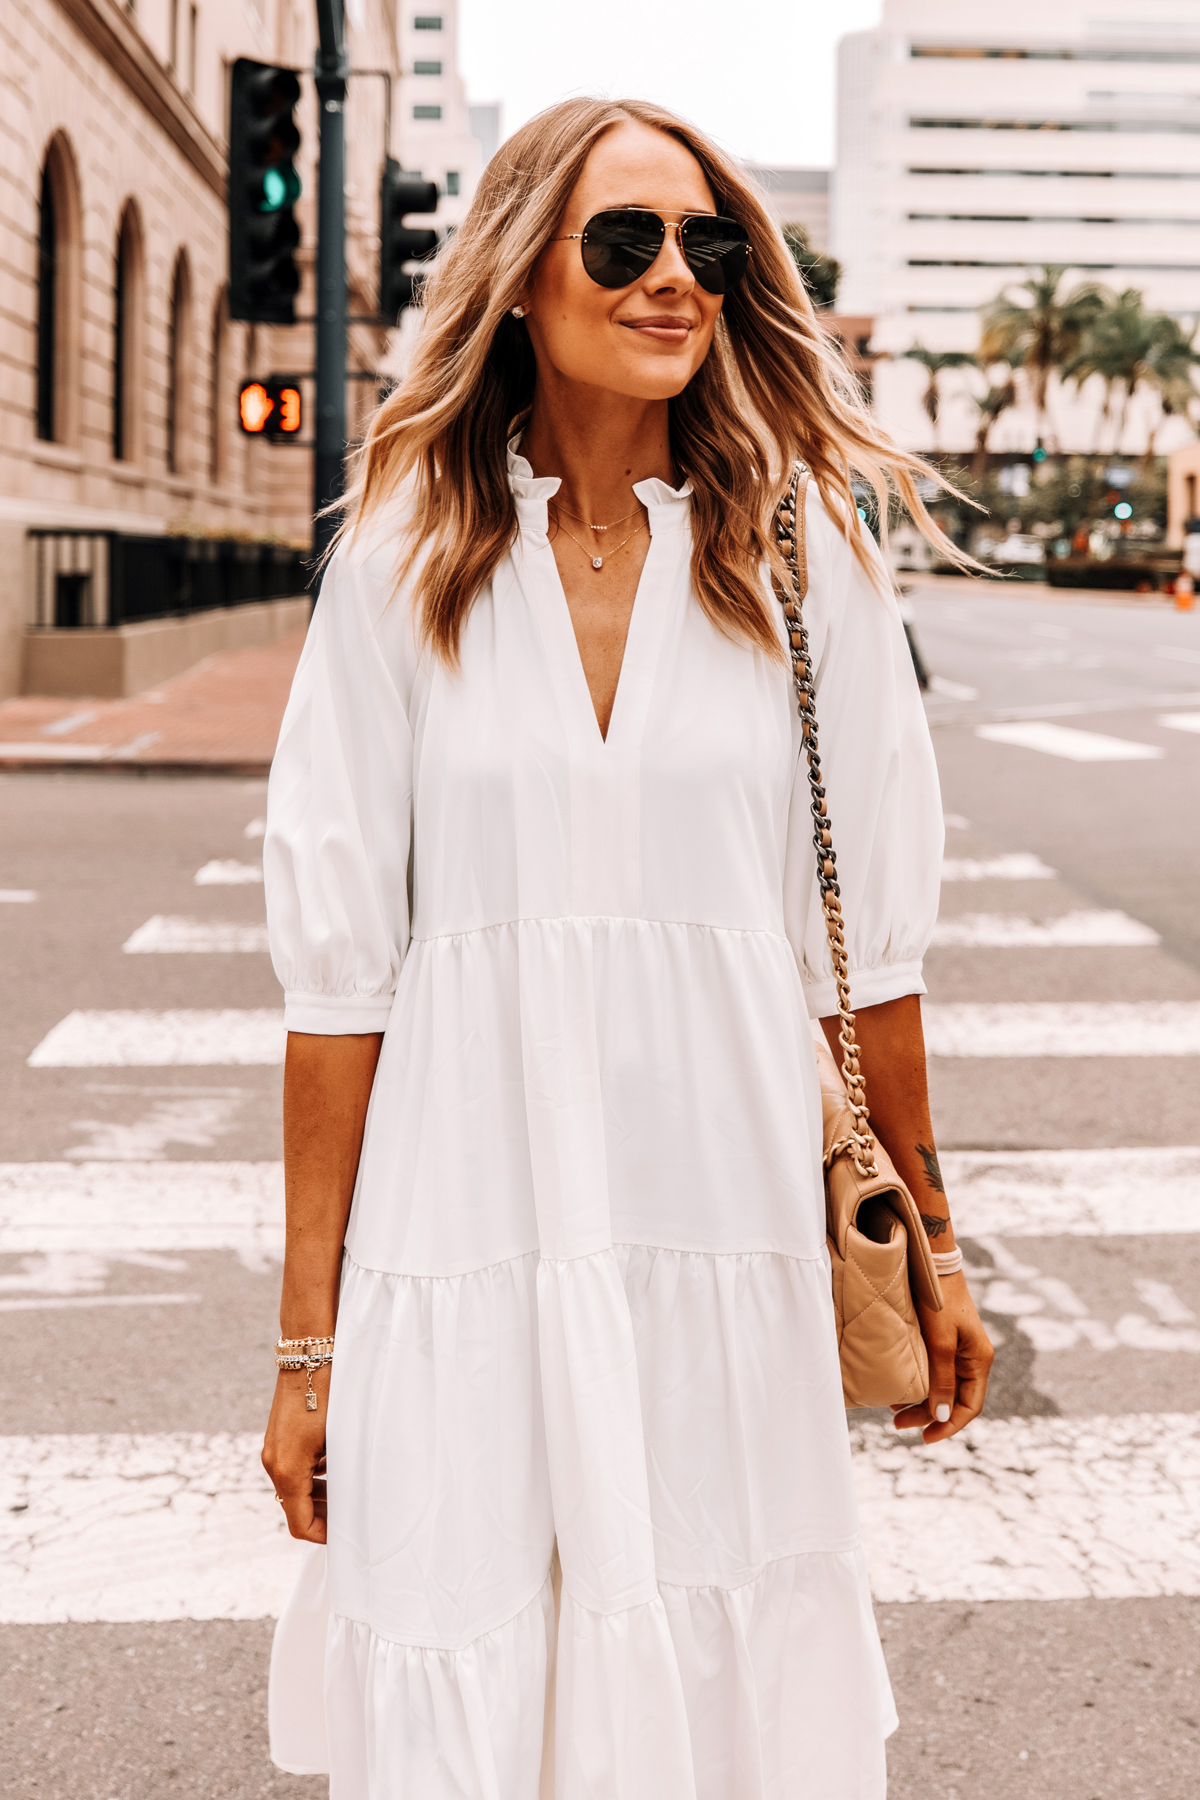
[619, 246]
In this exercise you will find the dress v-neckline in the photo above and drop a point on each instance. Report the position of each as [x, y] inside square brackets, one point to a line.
[632, 634]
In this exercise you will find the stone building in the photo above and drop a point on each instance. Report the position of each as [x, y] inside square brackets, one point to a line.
[120, 363]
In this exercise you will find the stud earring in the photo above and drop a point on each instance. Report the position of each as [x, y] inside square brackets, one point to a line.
[518, 312]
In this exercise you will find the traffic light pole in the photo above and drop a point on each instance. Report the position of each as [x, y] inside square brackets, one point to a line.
[332, 69]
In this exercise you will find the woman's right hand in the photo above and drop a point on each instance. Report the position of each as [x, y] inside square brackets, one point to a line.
[294, 1451]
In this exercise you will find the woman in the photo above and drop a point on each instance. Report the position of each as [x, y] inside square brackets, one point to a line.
[540, 883]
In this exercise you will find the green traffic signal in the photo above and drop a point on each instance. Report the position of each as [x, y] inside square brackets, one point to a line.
[280, 187]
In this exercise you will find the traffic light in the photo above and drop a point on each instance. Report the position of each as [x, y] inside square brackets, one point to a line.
[271, 408]
[400, 194]
[263, 189]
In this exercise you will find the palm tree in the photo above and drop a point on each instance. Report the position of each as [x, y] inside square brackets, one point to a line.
[820, 274]
[1128, 347]
[935, 363]
[1040, 332]
[989, 407]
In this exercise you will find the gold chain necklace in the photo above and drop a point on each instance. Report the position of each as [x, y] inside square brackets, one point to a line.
[597, 562]
[558, 507]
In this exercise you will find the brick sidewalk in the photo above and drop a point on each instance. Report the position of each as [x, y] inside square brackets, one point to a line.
[223, 716]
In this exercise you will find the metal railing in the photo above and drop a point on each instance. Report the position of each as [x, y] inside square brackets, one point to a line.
[106, 578]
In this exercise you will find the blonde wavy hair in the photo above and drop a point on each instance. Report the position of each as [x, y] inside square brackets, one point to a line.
[773, 388]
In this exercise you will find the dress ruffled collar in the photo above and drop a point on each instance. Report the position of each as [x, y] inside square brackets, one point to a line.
[668, 507]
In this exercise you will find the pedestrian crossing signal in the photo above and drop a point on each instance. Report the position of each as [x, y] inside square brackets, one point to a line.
[271, 408]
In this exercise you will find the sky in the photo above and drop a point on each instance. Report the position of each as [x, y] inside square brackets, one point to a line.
[758, 75]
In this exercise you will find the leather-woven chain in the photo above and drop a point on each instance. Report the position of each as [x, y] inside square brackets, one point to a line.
[789, 526]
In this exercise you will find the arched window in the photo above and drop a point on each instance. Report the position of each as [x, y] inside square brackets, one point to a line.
[47, 326]
[127, 323]
[58, 300]
[218, 425]
[179, 368]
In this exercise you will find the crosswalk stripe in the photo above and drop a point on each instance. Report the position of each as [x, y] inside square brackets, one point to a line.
[171, 1526]
[129, 1208]
[1012, 931]
[1073, 1193]
[1064, 1028]
[1017, 866]
[93, 1040]
[119, 1207]
[1033, 1509]
[184, 1526]
[60, 1302]
[168, 936]
[1181, 721]
[1068, 741]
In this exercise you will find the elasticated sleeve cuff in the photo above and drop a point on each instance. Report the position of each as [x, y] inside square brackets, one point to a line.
[337, 1015]
[868, 987]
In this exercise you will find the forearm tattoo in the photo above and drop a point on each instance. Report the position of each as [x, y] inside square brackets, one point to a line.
[933, 1174]
[934, 1226]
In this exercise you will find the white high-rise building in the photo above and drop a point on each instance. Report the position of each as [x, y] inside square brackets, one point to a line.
[435, 137]
[974, 143]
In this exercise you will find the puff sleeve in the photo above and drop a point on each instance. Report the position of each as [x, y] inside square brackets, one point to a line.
[339, 806]
[881, 785]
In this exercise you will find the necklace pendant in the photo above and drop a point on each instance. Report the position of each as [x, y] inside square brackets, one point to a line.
[597, 562]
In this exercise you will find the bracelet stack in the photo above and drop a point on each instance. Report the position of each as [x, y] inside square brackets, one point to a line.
[947, 1262]
[309, 1353]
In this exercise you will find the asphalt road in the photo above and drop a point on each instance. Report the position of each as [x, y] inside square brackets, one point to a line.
[1072, 1673]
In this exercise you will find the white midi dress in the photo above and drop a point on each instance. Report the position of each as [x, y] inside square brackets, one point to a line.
[585, 1320]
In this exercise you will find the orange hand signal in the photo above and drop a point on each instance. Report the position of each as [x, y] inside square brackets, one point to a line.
[255, 406]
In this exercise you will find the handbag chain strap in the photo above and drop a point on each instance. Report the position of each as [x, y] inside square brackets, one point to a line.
[789, 529]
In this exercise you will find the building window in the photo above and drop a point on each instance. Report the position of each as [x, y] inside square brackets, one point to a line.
[452, 181]
[218, 373]
[47, 316]
[126, 341]
[427, 112]
[427, 68]
[427, 22]
[178, 370]
[193, 30]
[173, 35]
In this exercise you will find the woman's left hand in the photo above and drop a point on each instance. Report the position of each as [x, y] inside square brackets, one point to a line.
[960, 1361]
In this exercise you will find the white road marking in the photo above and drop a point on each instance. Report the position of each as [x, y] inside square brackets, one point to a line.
[1017, 866]
[951, 690]
[1010, 931]
[1181, 721]
[1163, 1302]
[93, 1040]
[17, 896]
[228, 874]
[1064, 740]
[54, 752]
[1073, 1193]
[127, 1209]
[1021, 1291]
[53, 1302]
[955, 822]
[1064, 1028]
[256, 828]
[168, 936]
[194, 1120]
[176, 1526]
[1033, 1509]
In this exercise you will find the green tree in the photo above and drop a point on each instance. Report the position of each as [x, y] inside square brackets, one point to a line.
[935, 363]
[1128, 348]
[989, 406]
[1036, 328]
[820, 274]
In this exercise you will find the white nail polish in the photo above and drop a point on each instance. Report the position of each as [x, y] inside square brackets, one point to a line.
[942, 1413]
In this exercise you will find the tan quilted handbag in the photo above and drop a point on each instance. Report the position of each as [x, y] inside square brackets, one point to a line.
[878, 1249]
